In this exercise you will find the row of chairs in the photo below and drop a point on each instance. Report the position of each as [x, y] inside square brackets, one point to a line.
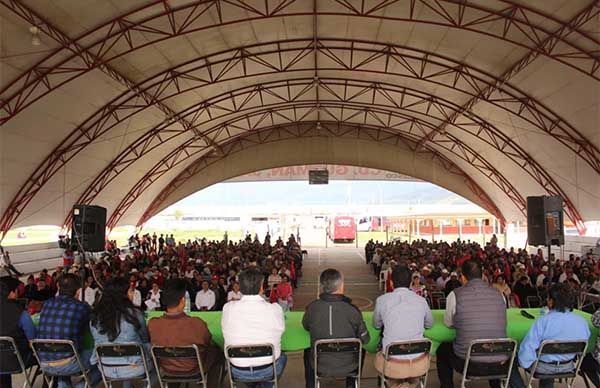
[502, 347]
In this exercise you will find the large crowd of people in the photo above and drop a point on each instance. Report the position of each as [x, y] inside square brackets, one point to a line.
[253, 283]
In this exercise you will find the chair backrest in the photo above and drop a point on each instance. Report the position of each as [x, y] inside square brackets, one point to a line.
[506, 347]
[50, 346]
[59, 348]
[109, 350]
[533, 301]
[576, 348]
[8, 347]
[174, 353]
[337, 346]
[441, 303]
[405, 348]
[250, 351]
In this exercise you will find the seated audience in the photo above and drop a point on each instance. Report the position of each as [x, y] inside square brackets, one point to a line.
[176, 328]
[283, 294]
[476, 311]
[452, 284]
[134, 295]
[116, 320]
[235, 293]
[332, 316]
[591, 363]
[403, 316]
[561, 323]
[205, 298]
[153, 302]
[65, 317]
[15, 322]
[252, 320]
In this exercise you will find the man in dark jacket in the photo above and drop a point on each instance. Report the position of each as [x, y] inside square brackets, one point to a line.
[332, 316]
[15, 322]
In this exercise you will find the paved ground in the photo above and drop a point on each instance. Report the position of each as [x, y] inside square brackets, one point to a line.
[361, 286]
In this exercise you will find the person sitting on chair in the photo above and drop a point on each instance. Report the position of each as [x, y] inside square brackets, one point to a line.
[332, 316]
[116, 320]
[253, 320]
[15, 322]
[560, 324]
[591, 363]
[176, 328]
[66, 317]
[476, 311]
[403, 316]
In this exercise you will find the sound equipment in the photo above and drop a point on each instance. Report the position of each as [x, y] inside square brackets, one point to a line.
[89, 228]
[318, 177]
[545, 221]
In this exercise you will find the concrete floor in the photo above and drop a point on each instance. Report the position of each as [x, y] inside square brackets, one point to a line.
[361, 286]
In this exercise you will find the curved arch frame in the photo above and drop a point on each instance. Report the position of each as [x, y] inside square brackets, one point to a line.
[462, 74]
[352, 93]
[123, 32]
[295, 131]
[403, 124]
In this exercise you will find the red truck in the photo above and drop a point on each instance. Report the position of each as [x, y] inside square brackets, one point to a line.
[342, 229]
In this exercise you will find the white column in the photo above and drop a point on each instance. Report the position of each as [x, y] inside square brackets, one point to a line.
[418, 231]
[460, 221]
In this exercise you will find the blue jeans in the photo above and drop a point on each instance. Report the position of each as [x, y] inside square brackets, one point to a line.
[72, 368]
[516, 381]
[259, 376]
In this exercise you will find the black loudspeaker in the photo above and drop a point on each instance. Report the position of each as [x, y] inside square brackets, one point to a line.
[545, 221]
[89, 228]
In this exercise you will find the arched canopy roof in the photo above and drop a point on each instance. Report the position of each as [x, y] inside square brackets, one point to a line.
[133, 105]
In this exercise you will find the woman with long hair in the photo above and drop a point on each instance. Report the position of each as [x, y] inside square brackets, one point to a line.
[115, 320]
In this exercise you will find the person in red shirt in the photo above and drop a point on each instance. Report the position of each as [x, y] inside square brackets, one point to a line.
[283, 294]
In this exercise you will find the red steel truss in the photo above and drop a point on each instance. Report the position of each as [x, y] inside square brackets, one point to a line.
[364, 115]
[332, 90]
[308, 129]
[340, 55]
[581, 18]
[506, 21]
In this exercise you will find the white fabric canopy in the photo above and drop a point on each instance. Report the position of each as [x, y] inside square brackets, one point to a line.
[135, 105]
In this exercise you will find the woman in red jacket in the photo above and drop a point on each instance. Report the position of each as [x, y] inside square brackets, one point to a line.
[283, 294]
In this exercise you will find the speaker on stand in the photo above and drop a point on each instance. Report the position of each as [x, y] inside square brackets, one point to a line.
[545, 221]
[88, 234]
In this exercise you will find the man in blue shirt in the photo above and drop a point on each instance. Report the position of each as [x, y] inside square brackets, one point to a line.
[403, 315]
[65, 317]
[16, 323]
[560, 324]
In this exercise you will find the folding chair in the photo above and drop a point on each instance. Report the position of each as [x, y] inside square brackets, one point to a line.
[9, 346]
[490, 347]
[533, 301]
[382, 279]
[166, 353]
[441, 303]
[250, 351]
[574, 348]
[405, 348]
[337, 346]
[106, 351]
[41, 346]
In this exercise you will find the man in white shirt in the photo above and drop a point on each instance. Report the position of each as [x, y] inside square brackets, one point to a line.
[205, 298]
[542, 278]
[253, 320]
[442, 280]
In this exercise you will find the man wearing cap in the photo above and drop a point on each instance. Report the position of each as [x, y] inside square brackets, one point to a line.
[443, 280]
[452, 284]
[542, 280]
